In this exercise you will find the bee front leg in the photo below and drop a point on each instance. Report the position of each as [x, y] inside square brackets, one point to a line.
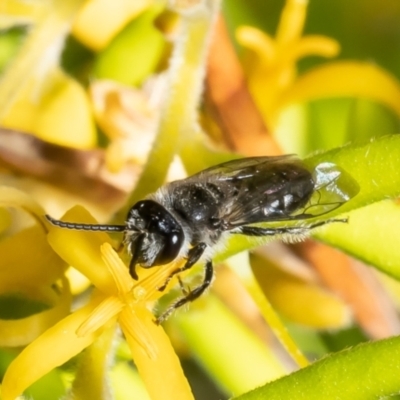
[191, 295]
[194, 255]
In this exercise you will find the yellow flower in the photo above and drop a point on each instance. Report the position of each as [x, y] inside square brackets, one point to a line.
[117, 297]
[31, 274]
[271, 71]
[99, 21]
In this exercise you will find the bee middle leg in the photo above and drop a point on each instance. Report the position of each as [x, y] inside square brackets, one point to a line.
[194, 255]
[189, 295]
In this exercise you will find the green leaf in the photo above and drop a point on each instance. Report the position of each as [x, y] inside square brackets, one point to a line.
[251, 363]
[368, 371]
[9, 42]
[134, 53]
[15, 306]
[370, 233]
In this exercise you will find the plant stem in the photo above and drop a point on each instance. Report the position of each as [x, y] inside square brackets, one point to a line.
[185, 83]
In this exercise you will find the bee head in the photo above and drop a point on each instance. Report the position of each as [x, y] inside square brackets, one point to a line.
[152, 236]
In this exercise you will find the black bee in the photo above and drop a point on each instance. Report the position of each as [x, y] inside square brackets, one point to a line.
[188, 218]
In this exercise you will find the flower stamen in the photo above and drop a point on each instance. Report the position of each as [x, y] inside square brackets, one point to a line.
[133, 326]
[117, 268]
[100, 316]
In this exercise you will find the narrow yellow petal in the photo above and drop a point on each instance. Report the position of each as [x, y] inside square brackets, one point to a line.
[162, 375]
[291, 23]
[53, 348]
[117, 268]
[257, 41]
[317, 45]
[346, 78]
[147, 288]
[100, 316]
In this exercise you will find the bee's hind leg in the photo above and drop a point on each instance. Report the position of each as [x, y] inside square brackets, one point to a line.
[259, 231]
[189, 295]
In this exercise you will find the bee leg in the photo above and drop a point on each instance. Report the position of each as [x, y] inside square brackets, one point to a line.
[191, 295]
[184, 289]
[258, 231]
[193, 256]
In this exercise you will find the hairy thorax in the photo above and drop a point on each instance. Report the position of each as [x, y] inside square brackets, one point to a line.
[198, 207]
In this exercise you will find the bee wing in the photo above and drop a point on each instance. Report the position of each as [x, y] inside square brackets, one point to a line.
[260, 189]
[240, 168]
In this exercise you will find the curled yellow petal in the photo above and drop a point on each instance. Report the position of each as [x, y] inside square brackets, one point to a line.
[346, 78]
[53, 348]
[28, 260]
[81, 249]
[162, 375]
[30, 272]
[11, 197]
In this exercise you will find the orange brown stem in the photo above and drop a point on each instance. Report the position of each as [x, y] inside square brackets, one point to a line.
[230, 100]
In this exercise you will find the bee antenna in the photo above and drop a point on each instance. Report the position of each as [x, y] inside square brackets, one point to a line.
[85, 227]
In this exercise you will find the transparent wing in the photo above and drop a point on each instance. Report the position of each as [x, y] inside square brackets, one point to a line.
[241, 168]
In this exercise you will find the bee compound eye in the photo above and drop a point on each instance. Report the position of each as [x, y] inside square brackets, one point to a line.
[173, 243]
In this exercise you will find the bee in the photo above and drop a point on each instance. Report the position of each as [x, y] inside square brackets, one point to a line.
[186, 219]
